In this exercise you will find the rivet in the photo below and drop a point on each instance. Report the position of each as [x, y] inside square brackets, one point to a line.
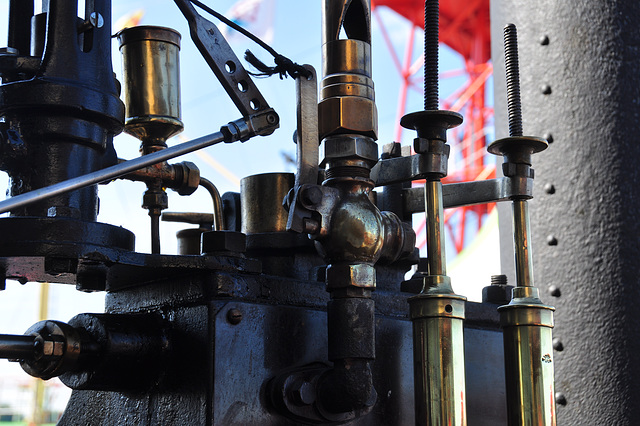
[554, 291]
[552, 241]
[557, 344]
[549, 188]
[544, 40]
[548, 136]
[545, 89]
[561, 399]
[234, 316]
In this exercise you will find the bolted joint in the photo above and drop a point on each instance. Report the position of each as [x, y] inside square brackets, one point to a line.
[187, 178]
[361, 275]
[57, 349]
[350, 147]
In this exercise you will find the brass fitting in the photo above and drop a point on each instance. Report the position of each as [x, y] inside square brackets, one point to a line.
[347, 101]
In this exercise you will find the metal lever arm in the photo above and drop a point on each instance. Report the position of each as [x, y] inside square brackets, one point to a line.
[307, 156]
[224, 63]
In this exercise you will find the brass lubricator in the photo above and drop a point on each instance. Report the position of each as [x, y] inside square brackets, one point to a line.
[526, 321]
[437, 312]
[152, 100]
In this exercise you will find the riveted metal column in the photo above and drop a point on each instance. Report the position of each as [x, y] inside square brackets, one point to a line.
[580, 79]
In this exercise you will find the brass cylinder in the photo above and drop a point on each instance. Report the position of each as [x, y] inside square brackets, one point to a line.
[151, 70]
[521, 232]
[435, 228]
[527, 333]
[261, 202]
[438, 359]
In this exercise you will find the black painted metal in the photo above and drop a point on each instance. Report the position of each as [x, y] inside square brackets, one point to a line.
[62, 121]
[220, 366]
[580, 83]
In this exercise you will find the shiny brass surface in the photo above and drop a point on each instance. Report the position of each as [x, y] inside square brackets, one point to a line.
[527, 332]
[521, 232]
[529, 363]
[347, 98]
[435, 227]
[261, 202]
[438, 347]
[151, 81]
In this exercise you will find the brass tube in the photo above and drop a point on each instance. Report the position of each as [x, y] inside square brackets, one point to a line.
[528, 352]
[218, 216]
[438, 359]
[435, 228]
[521, 232]
[437, 315]
[527, 332]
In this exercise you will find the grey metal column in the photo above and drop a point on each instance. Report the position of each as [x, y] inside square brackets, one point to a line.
[580, 82]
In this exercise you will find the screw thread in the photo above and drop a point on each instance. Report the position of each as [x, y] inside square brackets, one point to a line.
[498, 280]
[431, 26]
[514, 106]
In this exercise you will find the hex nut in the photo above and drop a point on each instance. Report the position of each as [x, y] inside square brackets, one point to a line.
[347, 114]
[348, 146]
[188, 178]
[224, 241]
[345, 275]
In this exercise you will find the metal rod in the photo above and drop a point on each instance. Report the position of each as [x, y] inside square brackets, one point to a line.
[521, 232]
[155, 231]
[218, 216]
[17, 346]
[110, 172]
[436, 256]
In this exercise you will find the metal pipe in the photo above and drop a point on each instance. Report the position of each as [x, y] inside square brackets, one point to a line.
[438, 359]
[111, 172]
[438, 340]
[436, 256]
[528, 350]
[17, 346]
[218, 216]
[521, 232]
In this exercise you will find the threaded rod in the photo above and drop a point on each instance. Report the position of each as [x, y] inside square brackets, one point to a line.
[514, 106]
[431, 28]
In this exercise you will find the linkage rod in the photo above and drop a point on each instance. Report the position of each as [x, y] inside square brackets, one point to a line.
[110, 172]
[17, 346]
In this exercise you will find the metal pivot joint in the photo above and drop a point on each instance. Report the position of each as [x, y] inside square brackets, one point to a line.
[526, 321]
[437, 313]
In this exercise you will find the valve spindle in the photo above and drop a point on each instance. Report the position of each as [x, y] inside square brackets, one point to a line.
[526, 321]
[437, 313]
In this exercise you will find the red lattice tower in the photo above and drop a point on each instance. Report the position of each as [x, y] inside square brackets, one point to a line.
[465, 28]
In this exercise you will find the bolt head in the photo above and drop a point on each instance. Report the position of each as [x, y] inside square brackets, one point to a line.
[561, 399]
[549, 188]
[557, 344]
[234, 316]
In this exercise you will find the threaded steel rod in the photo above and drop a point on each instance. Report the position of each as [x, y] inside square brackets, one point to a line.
[514, 106]
[431, 34]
